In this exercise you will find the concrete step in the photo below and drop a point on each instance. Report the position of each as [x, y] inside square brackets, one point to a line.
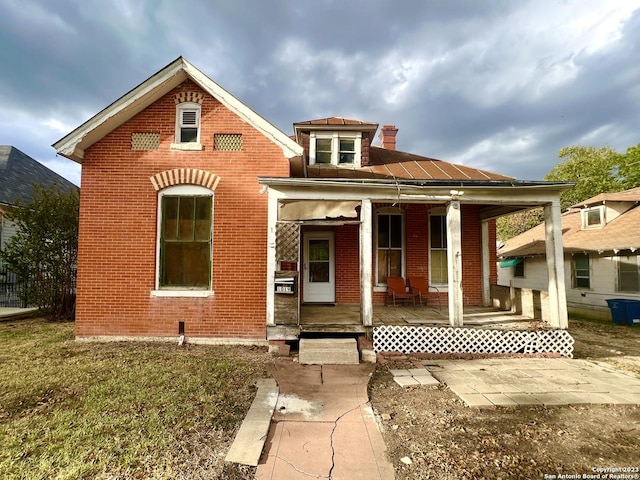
[328, 351]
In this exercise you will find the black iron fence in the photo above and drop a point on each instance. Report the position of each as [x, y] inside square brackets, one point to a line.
[11, 289]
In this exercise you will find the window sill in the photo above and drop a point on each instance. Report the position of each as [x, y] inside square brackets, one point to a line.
[182, 293]
[190, 146]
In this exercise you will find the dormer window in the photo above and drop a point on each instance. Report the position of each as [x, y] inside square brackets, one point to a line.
[338, 148]
[187, 127]
[593, 217]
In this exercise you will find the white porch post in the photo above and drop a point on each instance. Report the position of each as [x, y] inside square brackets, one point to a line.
[486, 271]
[366, 252]
[454, 263]
[555, 266]
[272, 218]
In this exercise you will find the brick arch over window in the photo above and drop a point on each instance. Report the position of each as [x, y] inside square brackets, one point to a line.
[182, 176]
[192, 97]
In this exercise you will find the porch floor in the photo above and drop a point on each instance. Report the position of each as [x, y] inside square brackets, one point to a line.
[474, 317]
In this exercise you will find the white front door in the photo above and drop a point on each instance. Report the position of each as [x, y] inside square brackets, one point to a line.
[319, 267]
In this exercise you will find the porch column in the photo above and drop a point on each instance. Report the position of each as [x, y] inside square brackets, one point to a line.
[272, 218]
[486, 271]
[366, 255]
[555, 266]
[454, 263]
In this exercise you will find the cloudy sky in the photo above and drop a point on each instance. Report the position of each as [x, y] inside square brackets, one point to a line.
[500, 85]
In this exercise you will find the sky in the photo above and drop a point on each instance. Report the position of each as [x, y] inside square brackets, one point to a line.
[500, 85]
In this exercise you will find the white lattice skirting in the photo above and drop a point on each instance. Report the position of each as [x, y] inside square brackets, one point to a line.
[405, 339]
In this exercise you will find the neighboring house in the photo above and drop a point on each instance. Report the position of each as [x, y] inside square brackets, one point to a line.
[199, 217]
[18, 175]
[601, 238]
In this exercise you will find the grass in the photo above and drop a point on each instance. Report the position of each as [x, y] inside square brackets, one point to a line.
[119, 410]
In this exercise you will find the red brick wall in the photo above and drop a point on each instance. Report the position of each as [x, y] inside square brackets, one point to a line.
[117, 251]
[417, 251]
[348, 264]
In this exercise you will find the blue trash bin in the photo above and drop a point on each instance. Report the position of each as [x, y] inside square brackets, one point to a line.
[618, 307]
[633, 312]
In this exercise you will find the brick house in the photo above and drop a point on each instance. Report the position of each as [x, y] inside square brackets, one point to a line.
[200, 217]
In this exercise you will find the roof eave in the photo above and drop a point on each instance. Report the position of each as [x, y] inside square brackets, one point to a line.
[75, 143]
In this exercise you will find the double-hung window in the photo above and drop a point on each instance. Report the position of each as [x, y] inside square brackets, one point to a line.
[438, 269]
[390, 244]
[628, 274]
[185, 238]
[581, 277]
[338, 149]
[187, 127]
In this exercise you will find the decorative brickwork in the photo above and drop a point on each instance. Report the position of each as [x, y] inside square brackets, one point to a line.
[145, 141]
[190, 96]
[179, 176]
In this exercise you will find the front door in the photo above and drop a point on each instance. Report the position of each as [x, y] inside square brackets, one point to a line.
[319, 268]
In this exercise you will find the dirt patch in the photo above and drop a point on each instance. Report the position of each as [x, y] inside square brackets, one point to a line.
[430, 433]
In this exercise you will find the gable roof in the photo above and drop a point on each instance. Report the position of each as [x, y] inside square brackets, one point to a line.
[74, 144]
[393, 164]
[621, 233]
[19, 172]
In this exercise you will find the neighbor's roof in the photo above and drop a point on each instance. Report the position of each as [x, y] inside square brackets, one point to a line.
[75, 143]
[393, 164]
[632, 195]
[336, 122]
[621, 233]
[19, 172]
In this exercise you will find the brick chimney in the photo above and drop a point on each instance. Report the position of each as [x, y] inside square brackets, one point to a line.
[388, 136]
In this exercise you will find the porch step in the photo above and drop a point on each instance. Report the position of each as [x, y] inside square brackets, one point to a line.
[328, 351]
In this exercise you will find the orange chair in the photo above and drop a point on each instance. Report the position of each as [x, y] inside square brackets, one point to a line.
[420, 285]
[397, 291]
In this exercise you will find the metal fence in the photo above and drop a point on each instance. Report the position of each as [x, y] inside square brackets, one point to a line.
[11, 291]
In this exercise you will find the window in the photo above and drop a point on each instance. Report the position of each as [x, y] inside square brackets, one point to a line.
[518, 269]
[628, 275]
[581, 271]
[187, 127]
[389, 244]
[438, 269]
[185, 238]
[592, 217]
[335, 149]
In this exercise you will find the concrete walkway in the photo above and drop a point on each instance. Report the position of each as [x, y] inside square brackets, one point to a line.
[512, 382]
[323, 426]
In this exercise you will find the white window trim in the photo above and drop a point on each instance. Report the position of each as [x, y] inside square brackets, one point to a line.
[390, 211]
[185, 190]
[335, 148]
[437, 212]
[574, 276]
[584, 215]
[177, 145]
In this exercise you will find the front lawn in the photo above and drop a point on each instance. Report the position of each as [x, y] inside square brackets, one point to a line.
[119, 410]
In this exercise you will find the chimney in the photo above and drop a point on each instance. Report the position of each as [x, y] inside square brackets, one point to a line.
[388, 137]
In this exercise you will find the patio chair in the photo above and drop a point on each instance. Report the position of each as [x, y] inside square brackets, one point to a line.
[420, 285]
[397, 291]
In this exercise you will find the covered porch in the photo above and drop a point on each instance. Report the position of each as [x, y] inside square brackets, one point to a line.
[313, 222]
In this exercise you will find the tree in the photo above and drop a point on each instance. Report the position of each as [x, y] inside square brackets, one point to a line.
[630, 167]
[594, 171]
[44, 250]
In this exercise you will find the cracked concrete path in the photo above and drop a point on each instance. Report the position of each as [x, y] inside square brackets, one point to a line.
[323, 426]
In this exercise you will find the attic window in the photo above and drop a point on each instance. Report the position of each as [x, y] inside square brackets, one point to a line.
[187, 127]
[336, 148]
[593, 217]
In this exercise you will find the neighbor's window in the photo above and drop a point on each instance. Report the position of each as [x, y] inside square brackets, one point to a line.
[185, 241]
[389, 245]
[341, 148]
[592, 217]
[581, 271]
[438, 269]
[187, 126]
[628, 274]
[518, 269]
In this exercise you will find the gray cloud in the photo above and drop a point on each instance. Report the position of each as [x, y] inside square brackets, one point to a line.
[499, 85]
